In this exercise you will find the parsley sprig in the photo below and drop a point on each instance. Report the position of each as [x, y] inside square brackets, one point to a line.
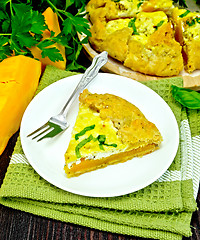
[22, 25]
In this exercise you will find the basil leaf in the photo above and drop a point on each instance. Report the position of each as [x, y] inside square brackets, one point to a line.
[184, 14]
[187, 97]
[81, 144]
[140, 3]
[190, 23]
[102, 139]
[81, 133]
[131, 24]
[111, 145]
[159, 24]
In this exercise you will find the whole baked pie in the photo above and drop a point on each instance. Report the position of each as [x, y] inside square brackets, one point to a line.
[148, 36]
[108, 130]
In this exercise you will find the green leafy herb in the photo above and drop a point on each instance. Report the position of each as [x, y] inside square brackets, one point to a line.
[184, 14]
[140, 3]
[132, 25]
[81, 144]
[197, 19]
[81, 133]
[159, 24]
[193, 21]
[187, 97]
[22, 25]
[102, 139]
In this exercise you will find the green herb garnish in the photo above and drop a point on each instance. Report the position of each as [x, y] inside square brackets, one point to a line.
[132, 25]
[102, 139]
[22, 25]
[81, 144]
[140, 3]
[191, 23]
[81, 133]
[184, 14]
[198, 20]
[187, 97]
[159, 24]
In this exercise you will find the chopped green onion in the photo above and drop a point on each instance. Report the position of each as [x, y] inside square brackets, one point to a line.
[184, 14]
[81, 144]
[81, 133]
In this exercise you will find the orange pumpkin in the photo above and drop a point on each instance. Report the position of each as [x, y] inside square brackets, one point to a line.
[52, 22]
[19, 78]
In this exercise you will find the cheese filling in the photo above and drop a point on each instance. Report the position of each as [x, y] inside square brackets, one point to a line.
[144, 25]
[97, 142]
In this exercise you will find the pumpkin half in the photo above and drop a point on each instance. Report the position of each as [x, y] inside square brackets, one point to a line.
[19, 78]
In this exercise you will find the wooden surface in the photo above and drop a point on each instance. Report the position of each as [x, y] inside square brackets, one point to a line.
[18, 225]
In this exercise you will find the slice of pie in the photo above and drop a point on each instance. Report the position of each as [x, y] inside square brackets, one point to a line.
[153, 49]
[108, 130]
[115, 9]
[145, 43]
[187, 32]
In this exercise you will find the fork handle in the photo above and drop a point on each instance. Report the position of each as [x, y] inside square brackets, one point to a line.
[90, 73]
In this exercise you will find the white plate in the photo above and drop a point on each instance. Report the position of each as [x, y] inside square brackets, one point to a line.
[47, 156]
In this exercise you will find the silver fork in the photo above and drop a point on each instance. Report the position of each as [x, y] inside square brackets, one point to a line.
[58, 123]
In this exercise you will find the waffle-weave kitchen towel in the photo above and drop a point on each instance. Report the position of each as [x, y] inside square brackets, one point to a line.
[162, 210]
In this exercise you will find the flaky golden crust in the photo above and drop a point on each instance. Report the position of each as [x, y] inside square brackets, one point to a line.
[192, 53]
[133, 127]
[135, 135]
[116, 44]
[187, 32]
[166, 52]
[110, 10]
[160, 56]
[154, 52]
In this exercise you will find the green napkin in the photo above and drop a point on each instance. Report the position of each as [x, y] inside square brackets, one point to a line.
[162, 210]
